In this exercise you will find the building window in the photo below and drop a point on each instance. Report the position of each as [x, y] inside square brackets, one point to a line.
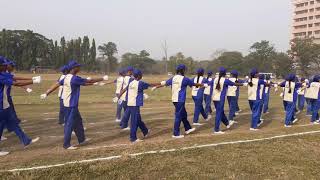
[311, 2]
[310, 17]
[317, 32]
[310, 25]
[311, 10]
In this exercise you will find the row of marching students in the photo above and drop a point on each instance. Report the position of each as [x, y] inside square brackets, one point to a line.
[8, 116]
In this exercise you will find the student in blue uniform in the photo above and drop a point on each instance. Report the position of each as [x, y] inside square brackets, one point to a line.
[266, 96]
[126, 116]
[119, 86]
[208, 93]
[197, 96]
[301, 98]
[233, 95]
[314, 98]
[220, 88]
[290, 96]
[64, 70]
[255, 93]
[134, 99]
[179, 84]
[70, 95]
[6, 119]
[309, 111]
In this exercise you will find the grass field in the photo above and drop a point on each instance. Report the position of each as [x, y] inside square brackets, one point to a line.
[295, 156]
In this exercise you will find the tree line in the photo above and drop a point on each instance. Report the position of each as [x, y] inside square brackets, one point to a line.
[29, 49]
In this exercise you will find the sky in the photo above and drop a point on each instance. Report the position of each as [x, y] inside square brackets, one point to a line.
[195, 27]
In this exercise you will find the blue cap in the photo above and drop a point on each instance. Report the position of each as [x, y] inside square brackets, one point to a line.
[316, 78]
[303, 79]
[137, 73]
[130, 68]
[234, 72]
[3, 61]
[222, 71]
[291, 77]
[12, 63]
[64, 68]
[253, 72]
[181, 67]
[200, 70]
[73, 63]
[210, 73]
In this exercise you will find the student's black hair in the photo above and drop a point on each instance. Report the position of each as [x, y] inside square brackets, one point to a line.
[289, 86]
[250, 83]
[180, 71]
[198, 76]
[218, 87]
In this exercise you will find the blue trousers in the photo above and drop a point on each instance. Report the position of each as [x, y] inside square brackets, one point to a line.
[6, 121]
[13, 111]
[301, 101]
[61, 112]
[255, 106]
[73, 123]
[290, 112]
[181, 115]
[309, 107]
[136, 122]
[126, 116]
[232, 101]
[207, 100]
[119, 109]
[220, 116]
[315, 106]
[285, 105]
[237, 102]
[266, 97]
[198, 109]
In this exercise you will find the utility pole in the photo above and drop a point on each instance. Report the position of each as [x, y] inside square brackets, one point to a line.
[165, 50]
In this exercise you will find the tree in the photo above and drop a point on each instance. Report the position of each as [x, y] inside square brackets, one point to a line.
[306, 55]
[228, 59]
[282, 65]
[141, 61]
[93, 54]
[109, 50]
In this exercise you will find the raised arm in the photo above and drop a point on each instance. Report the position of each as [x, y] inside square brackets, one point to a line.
[22, 83]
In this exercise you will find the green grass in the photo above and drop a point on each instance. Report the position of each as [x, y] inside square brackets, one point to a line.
[287, 158]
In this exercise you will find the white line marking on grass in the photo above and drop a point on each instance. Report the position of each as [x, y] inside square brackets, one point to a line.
[160, 151]
[107, 146]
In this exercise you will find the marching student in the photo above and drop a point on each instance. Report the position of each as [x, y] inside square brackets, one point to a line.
[70, 95]
[306, 95]
[255, 92]
[134, 98]
[179, 84]
[208, 93]
[6, 119]
[266, 96]
[313, 94]
[197, 96]
[301, 98]
[64, 70]
[119, 86]
[126, 115]
[290, 96]
[220, 88]
[233, 95]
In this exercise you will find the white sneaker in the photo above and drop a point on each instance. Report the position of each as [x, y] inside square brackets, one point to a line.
[315, 123]
[126, 129]
[32, 142]
[230, 124]
[295, 120]
[298, 112]
[72, 148]
[197, 124]
[190, 130]
[261, 122]
[147, 135]
[3, 153]
[84, 142]
[236, 113]
[253, 129]
[118, 120]
[178, 137]
[287, 126]
[218, 132]
[261, 119]
[3, 138]
[137, 141]
[239, 111]
[267, 112]
[309, 115]
[208, 118]
[318, 121]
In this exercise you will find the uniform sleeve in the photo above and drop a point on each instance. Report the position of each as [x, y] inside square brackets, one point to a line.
[78, 81]
[6, 81]
[241, 81]
[298, 85]
[144, 85]
[262, 82]
[205, 80]
[169, 82]
[227, 82]
[188, 82]
[61, 82]
[283, 84]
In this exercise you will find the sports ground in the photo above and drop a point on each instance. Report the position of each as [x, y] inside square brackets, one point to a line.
[274, 152]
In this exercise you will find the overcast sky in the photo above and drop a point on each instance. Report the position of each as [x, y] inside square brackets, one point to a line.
[195, 27]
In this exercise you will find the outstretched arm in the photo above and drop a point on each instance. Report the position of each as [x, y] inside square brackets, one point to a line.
[52, 88]
[22, 83]
[21, 78]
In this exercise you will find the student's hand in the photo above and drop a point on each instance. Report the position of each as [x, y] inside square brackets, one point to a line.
[276, 89]
[153, 88]
[36, 80]
[89, 78]
[205, 85]
[102, 84]
[163, 83]
[43, 96]
[281, 94]
[105, 78]
[96, 83]
[29, 90]
[145, 96]
[247, 77]
[115, 99]
[245, 84]
[275, 85]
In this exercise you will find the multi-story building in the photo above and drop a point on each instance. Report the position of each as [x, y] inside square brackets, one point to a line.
[306, 19]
